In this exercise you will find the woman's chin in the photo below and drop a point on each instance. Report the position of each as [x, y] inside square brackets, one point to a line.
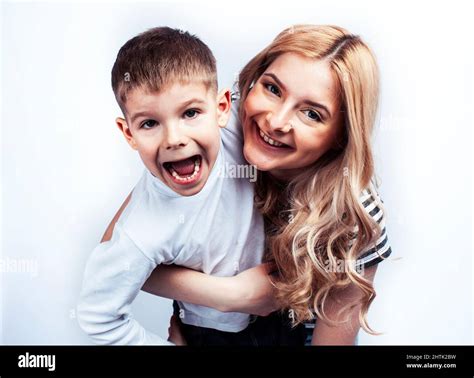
[260, 160]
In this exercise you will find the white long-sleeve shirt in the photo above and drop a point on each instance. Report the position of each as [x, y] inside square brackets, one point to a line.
[217, 231]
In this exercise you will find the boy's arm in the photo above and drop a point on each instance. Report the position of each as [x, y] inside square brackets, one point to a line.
[249, 292]
[114, 274]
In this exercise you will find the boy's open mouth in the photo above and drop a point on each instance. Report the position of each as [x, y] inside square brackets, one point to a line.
[184, 171]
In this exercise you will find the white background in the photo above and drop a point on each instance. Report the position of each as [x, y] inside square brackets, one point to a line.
[66, 169]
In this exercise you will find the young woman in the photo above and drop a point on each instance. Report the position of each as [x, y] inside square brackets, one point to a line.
[307, 107]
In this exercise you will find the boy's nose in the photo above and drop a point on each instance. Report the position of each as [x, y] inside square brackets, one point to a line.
[174, 139]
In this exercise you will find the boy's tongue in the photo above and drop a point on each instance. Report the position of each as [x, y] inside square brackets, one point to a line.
[184, 167]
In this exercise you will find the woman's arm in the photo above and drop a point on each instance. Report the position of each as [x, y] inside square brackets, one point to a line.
[110, 228]
[344, 334]
[249, 292]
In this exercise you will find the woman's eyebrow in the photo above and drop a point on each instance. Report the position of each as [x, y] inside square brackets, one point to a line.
[307, 102]
[318, 105]
[274, 77]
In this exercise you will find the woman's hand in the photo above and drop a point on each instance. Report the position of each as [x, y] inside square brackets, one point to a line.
[174, 332]
[253, 291]
[249, 292]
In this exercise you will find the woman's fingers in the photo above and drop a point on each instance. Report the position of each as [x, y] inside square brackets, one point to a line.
[174, 331]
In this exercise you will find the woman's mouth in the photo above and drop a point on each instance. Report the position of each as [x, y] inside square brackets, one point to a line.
[186, 171]
[269, 142]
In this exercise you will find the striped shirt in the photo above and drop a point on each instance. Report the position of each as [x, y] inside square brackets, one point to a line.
[382, 249]
[372, 256]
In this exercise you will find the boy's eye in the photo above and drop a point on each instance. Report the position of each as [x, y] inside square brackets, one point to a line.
[312, 115]
[148, 124]
[191, 113]
[272, 88]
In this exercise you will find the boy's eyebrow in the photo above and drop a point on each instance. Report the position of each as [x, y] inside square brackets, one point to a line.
[307, 102]
[192, 101]
[137, 115]
[183, 105]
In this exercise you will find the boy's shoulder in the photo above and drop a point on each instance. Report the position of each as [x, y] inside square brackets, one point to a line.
[150, 201]
[150, 220]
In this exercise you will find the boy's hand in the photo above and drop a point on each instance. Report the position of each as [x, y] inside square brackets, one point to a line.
[174, 332]
[254, 291]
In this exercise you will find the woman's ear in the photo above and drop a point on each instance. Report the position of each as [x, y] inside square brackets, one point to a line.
[223, 107]
[122, 125]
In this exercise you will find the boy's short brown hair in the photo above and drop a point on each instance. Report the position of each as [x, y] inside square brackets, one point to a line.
[162, 56]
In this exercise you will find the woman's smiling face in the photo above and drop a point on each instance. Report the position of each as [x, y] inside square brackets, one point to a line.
[291, 115]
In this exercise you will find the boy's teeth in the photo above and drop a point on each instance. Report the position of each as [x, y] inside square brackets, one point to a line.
[197, 166]
[270, 140]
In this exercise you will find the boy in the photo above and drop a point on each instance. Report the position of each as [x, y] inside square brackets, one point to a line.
[183, 210]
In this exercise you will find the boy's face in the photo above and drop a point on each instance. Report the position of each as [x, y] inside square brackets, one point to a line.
[176, 132]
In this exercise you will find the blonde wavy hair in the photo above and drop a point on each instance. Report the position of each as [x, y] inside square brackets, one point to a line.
[317, 219]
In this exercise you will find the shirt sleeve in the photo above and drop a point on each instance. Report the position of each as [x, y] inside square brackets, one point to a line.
[114, 275]
[382, 249]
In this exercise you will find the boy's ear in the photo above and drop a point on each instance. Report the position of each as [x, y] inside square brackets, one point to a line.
[122, 125]
[223, 107]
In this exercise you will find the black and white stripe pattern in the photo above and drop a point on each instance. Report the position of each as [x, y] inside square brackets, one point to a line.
[382, 249]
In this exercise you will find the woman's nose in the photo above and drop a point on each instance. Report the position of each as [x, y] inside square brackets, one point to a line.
[278, 122]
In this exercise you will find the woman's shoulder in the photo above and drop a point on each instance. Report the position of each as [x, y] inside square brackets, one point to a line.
[373, 205]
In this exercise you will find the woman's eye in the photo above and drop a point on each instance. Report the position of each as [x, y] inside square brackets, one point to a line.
[148, 124]
[191, 113]
[273, 89]
[312, 115]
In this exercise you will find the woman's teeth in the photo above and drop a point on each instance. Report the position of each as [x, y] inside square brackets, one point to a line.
[269, 140]
[197, 167]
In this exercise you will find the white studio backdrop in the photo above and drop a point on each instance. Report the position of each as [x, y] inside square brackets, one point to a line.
[66, 169]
